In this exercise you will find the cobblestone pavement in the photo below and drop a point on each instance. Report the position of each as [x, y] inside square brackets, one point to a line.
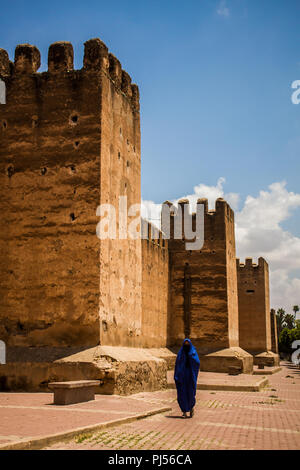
[34, 416]
[268, 420]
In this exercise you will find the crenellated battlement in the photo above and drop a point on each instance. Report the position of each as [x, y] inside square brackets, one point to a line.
[5, 65]
[60, 57]
[96, 59]
[221, 207]
[215, 220]
[27, 59]
[250, 265]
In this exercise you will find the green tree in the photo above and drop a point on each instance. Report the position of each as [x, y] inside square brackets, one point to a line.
[280, 320]
[289, 321]
[287, 337]
[295, 332]
[284, 341]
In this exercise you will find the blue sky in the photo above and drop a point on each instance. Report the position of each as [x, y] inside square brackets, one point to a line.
[215, 89]
[215, 81]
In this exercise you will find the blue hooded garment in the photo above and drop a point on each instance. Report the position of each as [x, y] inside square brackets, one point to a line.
[186, 373]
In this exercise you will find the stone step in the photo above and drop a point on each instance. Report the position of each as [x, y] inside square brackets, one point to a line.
[225, 382]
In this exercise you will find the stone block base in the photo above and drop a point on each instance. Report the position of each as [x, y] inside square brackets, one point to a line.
[223, 360]
[267, 358]
[166, 354]
[266, 370]
[76, 391]
[232, 370]
[120, 371]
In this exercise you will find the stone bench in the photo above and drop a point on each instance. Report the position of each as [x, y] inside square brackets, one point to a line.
[234, 370]
[76, 391]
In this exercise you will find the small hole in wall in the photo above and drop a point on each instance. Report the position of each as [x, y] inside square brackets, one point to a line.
[10, 171]
[74, 118]
[250, 291]
[104, 325]
[4, 125]
[72, 216]
[127, 142]
[34, 121]
[125, 185]
[72, 168]
[119, 155]
[76, 144]
[20, 326]
[120, 131]
[128, 163]
[43, 171]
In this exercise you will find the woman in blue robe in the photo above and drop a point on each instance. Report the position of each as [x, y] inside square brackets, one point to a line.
[186, 373]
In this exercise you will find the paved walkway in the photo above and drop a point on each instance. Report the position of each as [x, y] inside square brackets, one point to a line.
[269, 419]
[28, 416]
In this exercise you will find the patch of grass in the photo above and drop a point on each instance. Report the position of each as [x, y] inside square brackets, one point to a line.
[100, 435]
[108, 441]
[181, 444]
[82, 437]
[161, 440]
[273, 401]
[147, 438]
[263, 402]
[131, 438]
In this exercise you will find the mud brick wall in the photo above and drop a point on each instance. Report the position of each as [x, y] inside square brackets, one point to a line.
[203, 288]
[155, 288]
[69, 140]
[254, 306]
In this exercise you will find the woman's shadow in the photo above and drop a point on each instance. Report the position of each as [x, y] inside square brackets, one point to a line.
[176, 417]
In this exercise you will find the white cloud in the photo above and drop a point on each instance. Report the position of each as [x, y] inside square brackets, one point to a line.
[222, 9]
[212, 193]
[258, 233]
[151, 211]
[285, 290]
